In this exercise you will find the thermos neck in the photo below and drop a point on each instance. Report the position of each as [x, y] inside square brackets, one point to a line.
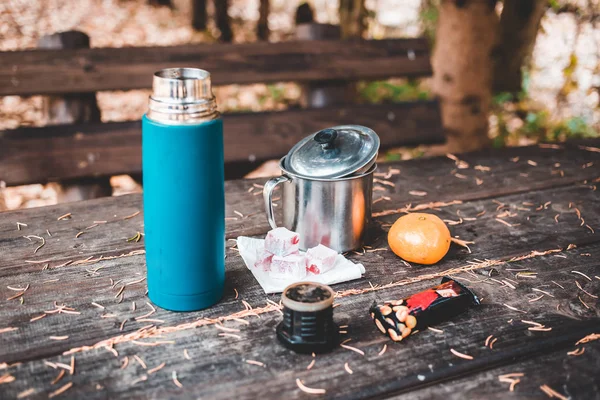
[182, 95]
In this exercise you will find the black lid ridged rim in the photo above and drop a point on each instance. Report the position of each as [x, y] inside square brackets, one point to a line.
[307, 307]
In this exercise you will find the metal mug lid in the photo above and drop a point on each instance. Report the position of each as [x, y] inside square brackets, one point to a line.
[334, 152]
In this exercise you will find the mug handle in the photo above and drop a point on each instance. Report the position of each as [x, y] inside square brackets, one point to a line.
[268, 197]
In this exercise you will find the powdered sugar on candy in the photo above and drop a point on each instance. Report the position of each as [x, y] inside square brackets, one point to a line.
[282, 242]
[291, 266]
[320, 259]
[281, 258]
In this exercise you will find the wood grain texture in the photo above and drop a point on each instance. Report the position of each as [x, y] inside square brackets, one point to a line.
[432, 176]
[573, 376]
[87, 70]
[217, 368]
[34, 155]
[222, 359]
[106, 239]
[537, 231]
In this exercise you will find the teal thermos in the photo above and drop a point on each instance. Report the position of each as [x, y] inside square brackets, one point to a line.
[184, 191]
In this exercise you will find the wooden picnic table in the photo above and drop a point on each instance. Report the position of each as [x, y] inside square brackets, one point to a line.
[75, 319]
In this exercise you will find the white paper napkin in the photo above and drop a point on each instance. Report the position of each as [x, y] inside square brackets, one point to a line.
[344, 270]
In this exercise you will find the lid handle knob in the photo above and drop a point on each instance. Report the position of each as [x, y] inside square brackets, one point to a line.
[325, 138]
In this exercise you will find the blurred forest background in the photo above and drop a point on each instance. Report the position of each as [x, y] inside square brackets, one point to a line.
[559, 95]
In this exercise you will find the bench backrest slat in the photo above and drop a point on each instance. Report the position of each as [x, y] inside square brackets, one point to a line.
[41, 154]
[88, 70]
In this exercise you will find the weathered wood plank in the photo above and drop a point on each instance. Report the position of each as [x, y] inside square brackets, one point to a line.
[434, 176]
[89, 70]
[221, 359]
[123, 216]
[573, 376]
[425, 355]
[537, 231]
[218, 369]
[500, 172]
[42, 154]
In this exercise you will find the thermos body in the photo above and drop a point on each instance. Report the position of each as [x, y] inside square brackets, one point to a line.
[184, 207]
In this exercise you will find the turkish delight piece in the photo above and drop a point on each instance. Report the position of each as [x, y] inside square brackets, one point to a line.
[290, 266]
[320, 259]
[264, 261]
[282, 242]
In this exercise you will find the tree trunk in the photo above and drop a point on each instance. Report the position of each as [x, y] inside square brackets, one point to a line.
[223, 21]
[199, 14]
[3, 206]
[304, 14]
[519, 25]
[462, 64]
[262, 28]
[166, 3]
[353, 18]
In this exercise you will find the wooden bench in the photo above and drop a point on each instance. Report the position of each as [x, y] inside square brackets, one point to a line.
[95, 149]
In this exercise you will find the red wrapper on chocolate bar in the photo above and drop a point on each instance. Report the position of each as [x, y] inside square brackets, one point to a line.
[398, 318]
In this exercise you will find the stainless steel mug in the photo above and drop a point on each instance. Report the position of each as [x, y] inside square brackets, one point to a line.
[332, 212]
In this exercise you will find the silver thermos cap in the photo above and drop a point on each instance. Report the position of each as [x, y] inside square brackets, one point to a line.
[182, 95]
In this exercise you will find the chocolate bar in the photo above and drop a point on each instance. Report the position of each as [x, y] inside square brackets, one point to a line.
[398, 318]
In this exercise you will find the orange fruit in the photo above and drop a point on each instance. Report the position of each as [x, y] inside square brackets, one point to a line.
[420, 238]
